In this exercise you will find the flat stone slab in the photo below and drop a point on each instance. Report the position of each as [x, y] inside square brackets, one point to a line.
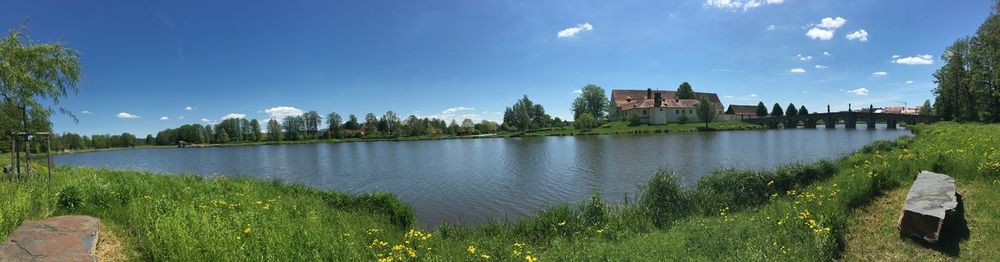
[930, 199]
[62, 238]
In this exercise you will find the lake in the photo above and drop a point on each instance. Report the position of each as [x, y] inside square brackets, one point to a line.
[471, 181]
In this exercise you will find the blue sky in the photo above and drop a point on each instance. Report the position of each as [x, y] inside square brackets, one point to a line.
[190, 61]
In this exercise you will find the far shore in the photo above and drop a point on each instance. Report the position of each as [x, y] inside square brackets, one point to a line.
[612, 128]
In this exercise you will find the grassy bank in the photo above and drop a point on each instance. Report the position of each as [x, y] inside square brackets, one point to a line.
[795, 212]
[622, 127]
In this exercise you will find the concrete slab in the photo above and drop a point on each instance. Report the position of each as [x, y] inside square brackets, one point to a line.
[62, 238]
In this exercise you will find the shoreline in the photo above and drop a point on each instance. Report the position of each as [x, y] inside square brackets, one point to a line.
[612, 128]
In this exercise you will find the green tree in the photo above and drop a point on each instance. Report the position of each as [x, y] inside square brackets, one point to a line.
[392, 123]
[34, 76]
[352, 123]
[585, 122]
[525, 115]
[273, 130]
[776, 110]
[761, 109]
[149, 140]
[791, 111]
[487, 127]
[333, 125]
[254, 130]
[634, 118]
[372, 122]
[706, 110]
[803, 110]
[927, 109]
[684, 91]
[954, 95]
[591, 100]
[311, 121]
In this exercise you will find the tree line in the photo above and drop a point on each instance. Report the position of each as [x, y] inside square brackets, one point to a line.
[311, 126]
[968, 84]
[777, 111]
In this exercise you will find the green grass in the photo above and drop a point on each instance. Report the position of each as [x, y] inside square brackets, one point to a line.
[622, 127]
[809, 212]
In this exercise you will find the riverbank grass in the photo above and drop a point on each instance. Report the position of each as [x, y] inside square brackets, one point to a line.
[802, 212]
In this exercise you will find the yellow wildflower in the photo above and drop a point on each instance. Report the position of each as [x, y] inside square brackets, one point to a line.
[563, 223]
[485, 256]
[530, 258]
[247, 230]
[471, 249]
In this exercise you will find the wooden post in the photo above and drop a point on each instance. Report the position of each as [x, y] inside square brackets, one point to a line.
[27, 153]
[48, 152]
[17, 155]
[13, 161]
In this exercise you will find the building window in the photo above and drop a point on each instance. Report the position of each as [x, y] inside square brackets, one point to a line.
[644, 111]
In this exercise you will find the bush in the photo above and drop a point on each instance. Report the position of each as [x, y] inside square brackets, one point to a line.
[585, 122]
[663, 199]
[70, 198]
[594, 211]
[399, 213]
[738, 188]
[633, 118]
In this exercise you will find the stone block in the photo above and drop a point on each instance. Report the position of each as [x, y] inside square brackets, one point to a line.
[931, 198]
[62, 238]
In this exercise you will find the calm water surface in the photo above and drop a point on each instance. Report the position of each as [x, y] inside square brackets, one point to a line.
[475, 180]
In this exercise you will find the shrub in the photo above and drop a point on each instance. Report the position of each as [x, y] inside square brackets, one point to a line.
[738, 188]
[663, 199]
[585, 122]
[594, 211]
[70, 198]
[399, 213]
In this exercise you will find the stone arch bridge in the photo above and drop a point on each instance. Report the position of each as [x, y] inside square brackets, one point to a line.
[850, 119]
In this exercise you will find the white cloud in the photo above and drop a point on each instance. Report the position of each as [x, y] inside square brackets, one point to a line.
[821, 34]
[125, 115]
[880, 74]
[797, 70]
[164, 118]
[860, 35]
[826, 53]
[280, 112]
[895, 56]
[771, 28]
[728, 96]
[860, 91]
[826, 27]
[753, 95]
[85, 112]
[909, 82]
[453, 110]
[189, 108]
[234, 116]
[914, 60]
[804, 58]
[740, 4]
[458, 114]
[572, 31]
[180, 117]
[205, 120]
[821, 67]
[578, 91]
[831, 23]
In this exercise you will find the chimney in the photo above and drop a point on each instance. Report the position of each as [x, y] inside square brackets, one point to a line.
[657, 99]
[649, 93]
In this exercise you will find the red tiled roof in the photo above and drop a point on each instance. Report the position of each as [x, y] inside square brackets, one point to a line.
[743, 110]
[629, 99]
